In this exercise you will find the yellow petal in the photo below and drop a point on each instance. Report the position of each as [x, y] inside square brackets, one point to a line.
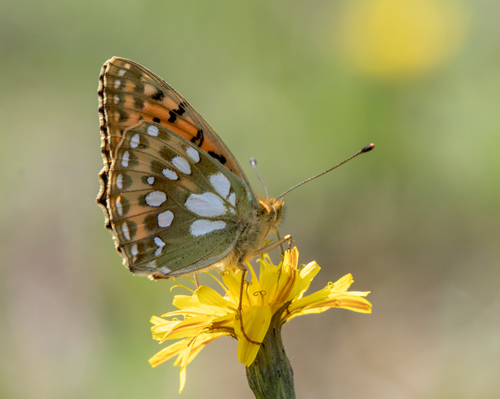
[342, 284]
[185, 301]
[186, 349]
[256, 323]
[351, 302]
[162, 327]
[232, 280]
[343, 301]
[188, 327]
[183, 358]
[196, 344]
[291, 257]
[285, 284]
[169, 352]
[157, 320]
[358, 293]
[183, 376]
[305, 277]
[208, 296]
[316, 297]
[254, 293]
[268, 277]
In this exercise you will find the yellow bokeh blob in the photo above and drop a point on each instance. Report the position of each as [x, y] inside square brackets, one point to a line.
[400, 38]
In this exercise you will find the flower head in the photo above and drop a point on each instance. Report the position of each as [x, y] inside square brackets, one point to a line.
[207, 315]
[398, 39]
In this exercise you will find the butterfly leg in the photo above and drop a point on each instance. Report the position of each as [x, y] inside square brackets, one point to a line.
[244, 271]
[279, 239]
[274, 245]
[196, 281]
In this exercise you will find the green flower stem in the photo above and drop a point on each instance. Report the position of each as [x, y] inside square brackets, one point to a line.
[270, 376]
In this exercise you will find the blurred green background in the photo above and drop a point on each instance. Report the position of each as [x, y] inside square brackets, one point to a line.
[299, 85]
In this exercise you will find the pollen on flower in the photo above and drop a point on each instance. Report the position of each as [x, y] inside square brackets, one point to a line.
[205, 315]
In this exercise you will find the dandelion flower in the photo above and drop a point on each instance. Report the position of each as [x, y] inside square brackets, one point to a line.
[277, 295]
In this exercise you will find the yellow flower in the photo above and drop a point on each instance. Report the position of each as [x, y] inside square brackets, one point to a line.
[207, 315]
[400, 38]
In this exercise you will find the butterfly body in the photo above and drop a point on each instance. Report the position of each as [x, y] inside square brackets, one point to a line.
[174, 197]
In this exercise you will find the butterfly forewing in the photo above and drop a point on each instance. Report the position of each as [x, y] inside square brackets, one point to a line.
[172, 207]
[130, 93]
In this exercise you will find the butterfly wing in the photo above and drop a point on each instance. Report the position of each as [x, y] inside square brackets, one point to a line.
[173, 208]
[129, 94]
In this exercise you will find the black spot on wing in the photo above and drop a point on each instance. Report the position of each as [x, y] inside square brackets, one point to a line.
[158, 96]
[181, 110]
[219, 157]
[199, 138]
[173, 117]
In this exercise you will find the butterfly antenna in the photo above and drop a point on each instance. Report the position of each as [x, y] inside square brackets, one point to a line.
[369, 147]
[253, 162]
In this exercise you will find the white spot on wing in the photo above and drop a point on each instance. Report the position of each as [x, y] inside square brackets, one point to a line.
[221, 184]
[155, 198]
[119, 181]
[201, 227]
[118, 82]
[165, 219]
[149, 90]
[153, 130]
[125, 231]
[165, 270]
[150, 265]
[135, 140]
[117, 99]
[118, 206]
[121, 72]
[134, 251]
[181, 164]
[193, 154]
[206, 204]
[125, 159]
[160, 244]
[150, 180]
[169, 174]
[232, 199]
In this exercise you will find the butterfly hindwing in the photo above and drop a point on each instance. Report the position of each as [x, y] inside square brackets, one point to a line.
[173, 208]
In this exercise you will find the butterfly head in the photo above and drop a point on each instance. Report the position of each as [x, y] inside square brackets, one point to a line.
[272, 211]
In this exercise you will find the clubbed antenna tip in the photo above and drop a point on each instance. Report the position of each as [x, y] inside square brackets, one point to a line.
[369, 147]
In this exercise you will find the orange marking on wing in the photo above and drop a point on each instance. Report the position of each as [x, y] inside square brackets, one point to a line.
[186, 126]
[209, 146]
[156, 110]
[128, 104]
[129, 87]
[169, 103]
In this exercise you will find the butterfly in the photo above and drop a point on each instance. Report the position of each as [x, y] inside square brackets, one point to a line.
[174, 197]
